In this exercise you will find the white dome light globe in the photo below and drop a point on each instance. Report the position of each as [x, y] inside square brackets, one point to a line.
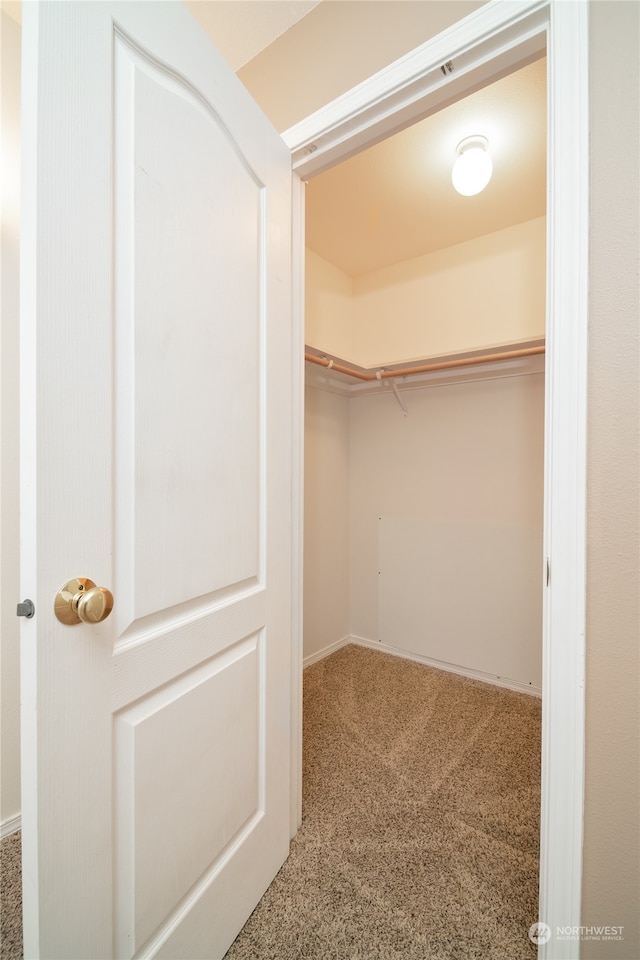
[473, 168]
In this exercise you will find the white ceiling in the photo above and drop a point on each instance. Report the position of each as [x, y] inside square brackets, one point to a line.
[395, 201]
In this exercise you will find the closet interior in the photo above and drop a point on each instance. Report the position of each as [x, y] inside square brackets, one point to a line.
[424, 417]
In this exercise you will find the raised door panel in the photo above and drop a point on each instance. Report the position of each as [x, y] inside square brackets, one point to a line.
[183, 797]
[188, 319]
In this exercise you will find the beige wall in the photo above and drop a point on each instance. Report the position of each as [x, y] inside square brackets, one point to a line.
[9, 552]
[482, 293]
[479, 294]
[611, 889]
[326, 520]
[339, 44]
[328, 314]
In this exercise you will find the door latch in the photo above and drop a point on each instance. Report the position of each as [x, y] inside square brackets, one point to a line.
[26, 609]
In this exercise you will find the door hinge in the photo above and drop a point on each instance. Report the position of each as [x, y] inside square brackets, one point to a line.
[548, 571]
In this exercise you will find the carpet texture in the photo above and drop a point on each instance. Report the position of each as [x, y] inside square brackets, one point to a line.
[10, 898]
[420, 820]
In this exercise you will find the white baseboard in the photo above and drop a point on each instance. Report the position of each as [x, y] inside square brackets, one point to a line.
[321, 654]
[10, 826]
[516, 685]
[448, 667]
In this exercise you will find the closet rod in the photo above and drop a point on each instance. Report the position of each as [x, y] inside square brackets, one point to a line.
[425, 368]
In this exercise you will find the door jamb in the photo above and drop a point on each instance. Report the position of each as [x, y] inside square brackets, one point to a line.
[485, 45]
[297, 498]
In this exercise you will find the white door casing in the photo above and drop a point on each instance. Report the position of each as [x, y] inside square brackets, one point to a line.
[156, 373]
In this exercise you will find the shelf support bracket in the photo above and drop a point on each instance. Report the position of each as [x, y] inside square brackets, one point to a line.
[396, 394]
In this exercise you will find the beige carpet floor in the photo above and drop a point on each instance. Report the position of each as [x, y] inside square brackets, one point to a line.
[420, 820]
[10, 898]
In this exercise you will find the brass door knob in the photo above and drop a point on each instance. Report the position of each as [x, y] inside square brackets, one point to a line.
[81, 601]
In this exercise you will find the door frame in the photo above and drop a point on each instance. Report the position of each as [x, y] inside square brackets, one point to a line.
[489, 43]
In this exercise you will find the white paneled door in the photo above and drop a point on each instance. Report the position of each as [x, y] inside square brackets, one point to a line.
[156, 461]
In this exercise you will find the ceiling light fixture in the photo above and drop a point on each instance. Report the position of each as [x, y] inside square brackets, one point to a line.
[473, 167]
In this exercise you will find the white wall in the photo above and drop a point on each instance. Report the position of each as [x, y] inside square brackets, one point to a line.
[9, 552]
[463, 472]
[466, 461]
[326, 520]
[475, 295]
